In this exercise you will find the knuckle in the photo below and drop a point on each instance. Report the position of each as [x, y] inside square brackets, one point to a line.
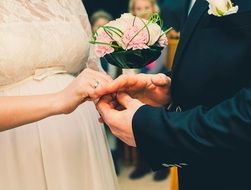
[85, 71]
[109, 79]
[108, 121]
[162, 75]
[123, 77]
[115, 132]
[141, 75]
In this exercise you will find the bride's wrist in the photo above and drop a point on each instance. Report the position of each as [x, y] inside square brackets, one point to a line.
[65, 102]
[57, 103]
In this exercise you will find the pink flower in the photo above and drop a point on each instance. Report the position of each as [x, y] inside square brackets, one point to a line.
[130, 41]
[102, 49]
[127, 20]
[163, 40]
[128, 32]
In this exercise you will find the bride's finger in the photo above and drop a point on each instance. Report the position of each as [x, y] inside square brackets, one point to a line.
[93, 85]
[96, 81]
[90, 88]
[104, 76]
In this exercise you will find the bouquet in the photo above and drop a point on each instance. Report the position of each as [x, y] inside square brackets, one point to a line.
[130, 41]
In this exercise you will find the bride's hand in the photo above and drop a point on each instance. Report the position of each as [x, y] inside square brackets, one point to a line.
[81, 89]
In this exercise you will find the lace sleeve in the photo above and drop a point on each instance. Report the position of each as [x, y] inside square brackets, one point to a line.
[47, 10]
[93, 61]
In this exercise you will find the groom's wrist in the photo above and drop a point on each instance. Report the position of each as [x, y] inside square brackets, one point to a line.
[145, 126]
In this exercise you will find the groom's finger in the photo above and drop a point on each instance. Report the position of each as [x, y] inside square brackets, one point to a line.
[105, 107]
[120, 83]
[104, 101]
[125, 100]
[100, 120]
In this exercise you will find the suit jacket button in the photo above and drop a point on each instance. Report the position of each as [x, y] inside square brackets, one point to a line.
[178, 109]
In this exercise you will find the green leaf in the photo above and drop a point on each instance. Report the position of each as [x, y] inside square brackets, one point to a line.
[229, 5]
[219, 12]
[134, 58]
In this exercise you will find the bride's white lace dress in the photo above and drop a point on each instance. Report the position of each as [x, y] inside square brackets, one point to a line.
[43, 43]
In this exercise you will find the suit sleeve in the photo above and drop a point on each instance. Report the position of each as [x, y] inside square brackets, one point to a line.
[184, 137]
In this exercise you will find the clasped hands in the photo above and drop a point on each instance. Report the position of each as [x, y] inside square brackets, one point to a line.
[125, 95]
[117, 100]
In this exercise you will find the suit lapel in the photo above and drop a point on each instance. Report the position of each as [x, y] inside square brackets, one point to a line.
[193, 19]
[185, 12]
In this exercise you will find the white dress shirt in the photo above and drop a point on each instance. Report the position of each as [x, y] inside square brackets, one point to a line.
[191, 5]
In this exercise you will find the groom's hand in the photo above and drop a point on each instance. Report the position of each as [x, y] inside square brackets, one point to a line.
[120, 122]
[150, 89]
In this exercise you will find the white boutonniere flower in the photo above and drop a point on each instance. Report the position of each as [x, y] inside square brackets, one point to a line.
[221, 8]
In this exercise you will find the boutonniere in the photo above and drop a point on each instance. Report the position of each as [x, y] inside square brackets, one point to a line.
[221, 8]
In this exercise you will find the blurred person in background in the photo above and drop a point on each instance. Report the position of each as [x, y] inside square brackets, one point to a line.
[98, 19]
[144, 9]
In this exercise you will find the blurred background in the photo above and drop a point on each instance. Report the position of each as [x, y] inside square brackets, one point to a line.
[133, 172]
[114, 7]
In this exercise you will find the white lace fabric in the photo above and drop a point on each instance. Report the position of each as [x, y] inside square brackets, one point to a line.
[43, 43]
[37, 34]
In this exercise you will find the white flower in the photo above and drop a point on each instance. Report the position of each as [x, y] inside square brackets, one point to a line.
[155, 33]
[221, 7]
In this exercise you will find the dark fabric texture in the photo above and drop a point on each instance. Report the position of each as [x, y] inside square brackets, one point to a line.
[211, 86]
[174, 12]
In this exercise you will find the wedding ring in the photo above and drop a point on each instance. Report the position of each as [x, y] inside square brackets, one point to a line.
[96, 84]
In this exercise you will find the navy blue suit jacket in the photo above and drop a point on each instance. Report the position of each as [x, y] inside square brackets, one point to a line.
[209, 124]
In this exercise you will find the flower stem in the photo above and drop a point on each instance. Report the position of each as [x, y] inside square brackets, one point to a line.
[102, 43]
[168, 30]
